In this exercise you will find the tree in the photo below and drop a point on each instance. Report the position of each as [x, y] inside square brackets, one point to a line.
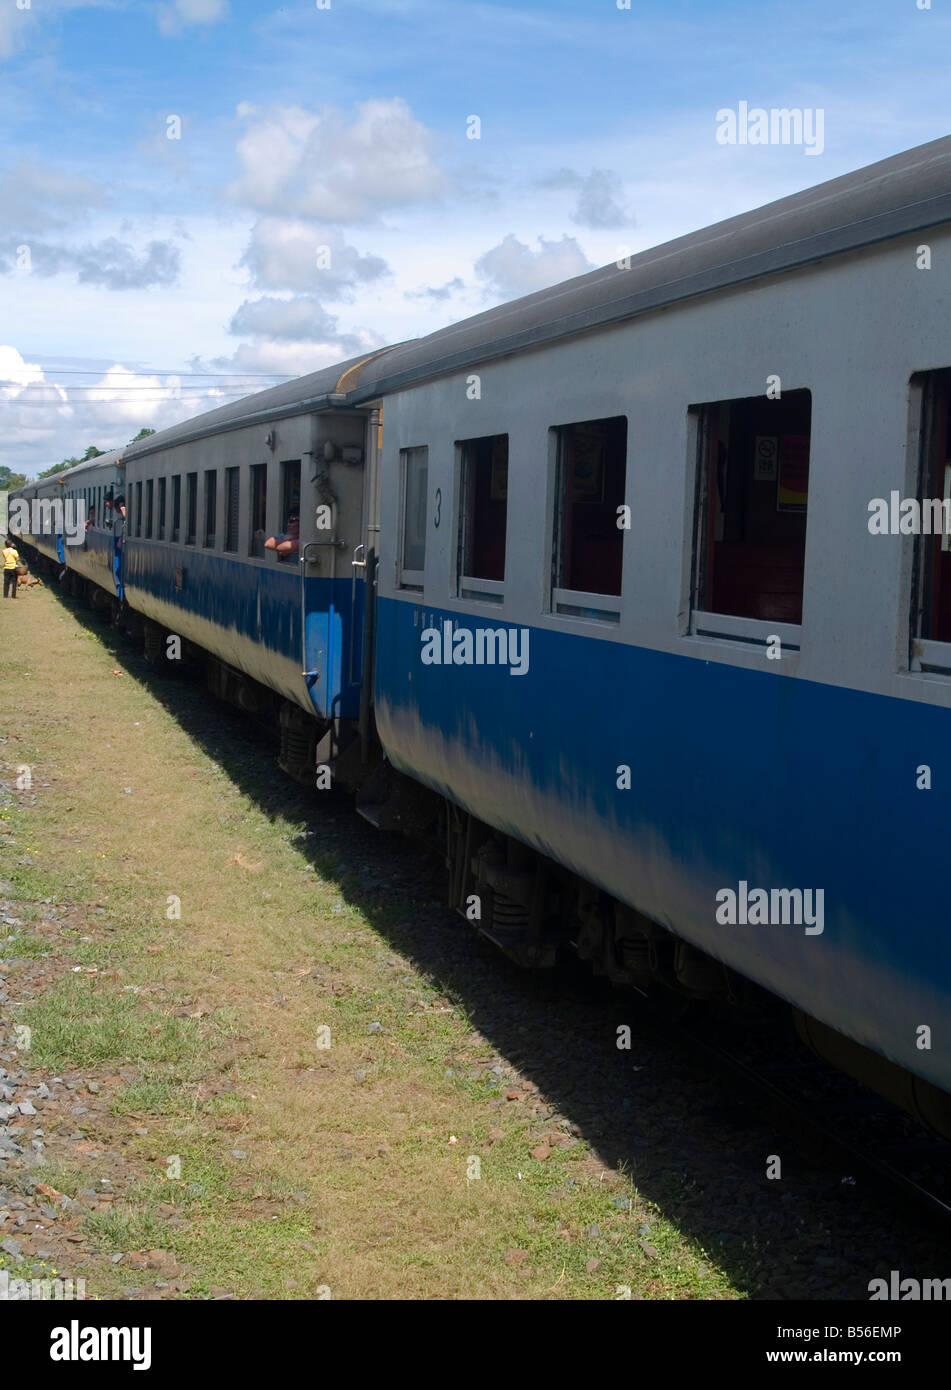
[142, 434]
[10, 481]
[91, 453]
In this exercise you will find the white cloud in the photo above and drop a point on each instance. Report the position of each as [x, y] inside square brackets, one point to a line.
[314, 164]
[120, 398]
[45, 421]
[111, 264]
[438, 294]
[12, 30]
[15, 373]
[291, 358]
[36, 198]
[17, 25]
[598, 203]
[301, 318]
[174, 18]
[600, 197]
[293, 255]
[512, 268]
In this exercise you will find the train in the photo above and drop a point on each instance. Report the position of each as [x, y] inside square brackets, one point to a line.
[595, 592]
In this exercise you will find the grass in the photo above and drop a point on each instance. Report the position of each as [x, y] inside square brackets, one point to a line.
[348, 1179]
[83, 1022]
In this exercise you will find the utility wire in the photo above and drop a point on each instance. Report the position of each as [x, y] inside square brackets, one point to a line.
[162, 371]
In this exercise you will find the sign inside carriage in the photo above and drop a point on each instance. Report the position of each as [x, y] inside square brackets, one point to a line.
[793, 491]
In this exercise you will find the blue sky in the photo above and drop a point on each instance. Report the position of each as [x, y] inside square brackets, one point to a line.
[324, 196]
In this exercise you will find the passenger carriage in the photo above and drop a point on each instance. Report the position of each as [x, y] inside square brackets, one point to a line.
[652, 485]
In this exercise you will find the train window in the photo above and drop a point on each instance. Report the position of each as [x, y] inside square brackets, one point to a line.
[290, 490]
[414, 474]
[931, 522]
[591, 463]
[231, 508]
[753, 487]
[191, 508]
[258, 509]
[211, 507]
[138, 509]
[160, 527]
[176, 506]
[149, 507]
[483, 497]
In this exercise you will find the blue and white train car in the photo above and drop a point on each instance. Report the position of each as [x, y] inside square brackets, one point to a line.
[660, 632]
[206, 497]
[87, 542]
[672, 653]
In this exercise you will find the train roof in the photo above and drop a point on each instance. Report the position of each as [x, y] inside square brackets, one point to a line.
[905, 193]
[302, 393]
[109, 459]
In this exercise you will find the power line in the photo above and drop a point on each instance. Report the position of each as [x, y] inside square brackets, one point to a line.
[208, 390]
[165, 371]
[143, 400]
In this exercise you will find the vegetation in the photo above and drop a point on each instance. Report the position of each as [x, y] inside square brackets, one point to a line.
[92, 452]
[10, 481]
[275, 1088]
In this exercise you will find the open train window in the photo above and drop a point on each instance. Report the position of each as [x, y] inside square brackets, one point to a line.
[149, 507]
[483, 503]
[176, 507]
[138, 509]
[591, 466]
[930, 523]
[752, 501]
[258, 509]
[231, 508]
[290, 491]
[160, 520]
[414, 475]
[211, 507]
[191, 508]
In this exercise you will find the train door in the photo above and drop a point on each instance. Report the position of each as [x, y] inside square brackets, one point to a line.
[331, 601]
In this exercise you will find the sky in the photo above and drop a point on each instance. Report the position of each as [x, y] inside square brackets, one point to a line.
[200, 198]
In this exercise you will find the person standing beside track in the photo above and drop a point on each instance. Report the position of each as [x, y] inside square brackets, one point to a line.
[11, 560]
